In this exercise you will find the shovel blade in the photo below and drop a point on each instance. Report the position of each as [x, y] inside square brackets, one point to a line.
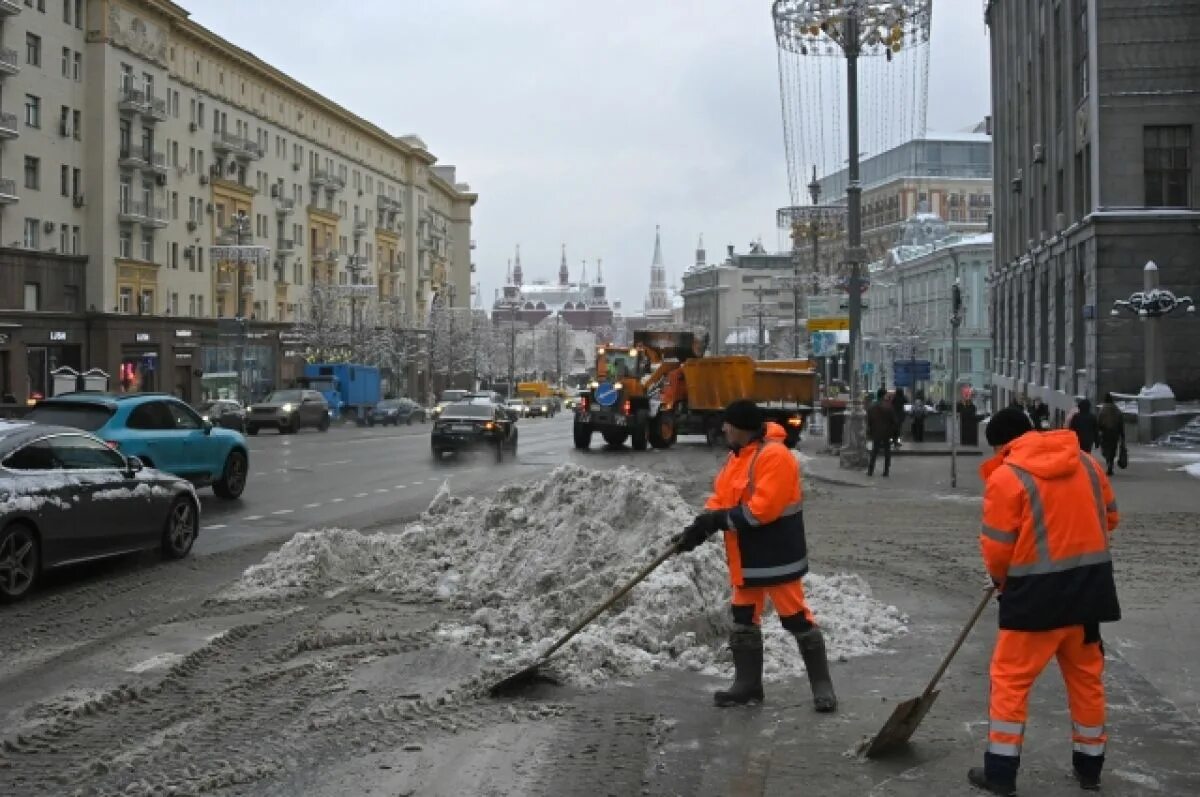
[900, 727]
[519, 680]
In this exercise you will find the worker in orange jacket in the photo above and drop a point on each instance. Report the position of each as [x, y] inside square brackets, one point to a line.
[757, 501]
[1048, 513]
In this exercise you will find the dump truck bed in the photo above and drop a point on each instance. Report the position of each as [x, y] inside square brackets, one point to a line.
[713, 382]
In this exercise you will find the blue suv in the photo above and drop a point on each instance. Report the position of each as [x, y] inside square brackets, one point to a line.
[160, 430]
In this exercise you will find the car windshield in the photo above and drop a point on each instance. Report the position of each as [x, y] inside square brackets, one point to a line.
[88, 417]
[467, 411]
[284, 397]
[516, 403]
[453, 395]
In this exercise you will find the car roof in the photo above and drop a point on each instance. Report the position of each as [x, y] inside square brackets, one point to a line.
[13, 431]
[107, 399]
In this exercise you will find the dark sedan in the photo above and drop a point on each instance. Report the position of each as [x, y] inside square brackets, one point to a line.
[396, 412]
[66, 497]
[463, 427]
[226, 413]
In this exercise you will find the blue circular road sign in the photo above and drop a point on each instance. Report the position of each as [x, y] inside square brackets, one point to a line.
[606, 394]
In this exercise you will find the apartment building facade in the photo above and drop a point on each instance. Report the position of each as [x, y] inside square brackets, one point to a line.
[1096, 121]
[210, 194]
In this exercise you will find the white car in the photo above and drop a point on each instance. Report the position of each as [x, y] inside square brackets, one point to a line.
[517, 406]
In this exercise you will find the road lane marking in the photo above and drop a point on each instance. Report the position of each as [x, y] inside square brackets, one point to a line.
[253, 517]
[336, 500]
[311, 506]
[401, 486]
[361, 495]
[283, 511]
[261, 473]
[422, 481]
[383, 490]
[214, 527]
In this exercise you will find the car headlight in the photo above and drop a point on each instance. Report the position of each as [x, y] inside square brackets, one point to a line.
[287, 408]
[204, 417]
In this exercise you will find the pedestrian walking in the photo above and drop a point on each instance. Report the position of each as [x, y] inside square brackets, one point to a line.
[881, 428]
[1083, 424]
[1040, 415]
[898, 402]
[1110, 425]
[919, 412]
[1048, 514]
[757, 500]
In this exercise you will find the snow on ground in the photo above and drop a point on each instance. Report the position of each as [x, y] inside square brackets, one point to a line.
[525, 565]
[1193, 469]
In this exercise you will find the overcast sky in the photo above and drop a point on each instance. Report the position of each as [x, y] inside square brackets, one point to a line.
[582, 123]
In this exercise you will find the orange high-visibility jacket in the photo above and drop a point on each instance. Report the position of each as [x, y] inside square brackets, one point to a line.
[760, 487]
[1048, 513]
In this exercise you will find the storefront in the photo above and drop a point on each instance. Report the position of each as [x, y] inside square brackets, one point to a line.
[32, 347]
[140, 367]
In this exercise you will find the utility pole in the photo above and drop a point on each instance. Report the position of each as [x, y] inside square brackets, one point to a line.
[558, 348]
[814, 232]
[956, 320]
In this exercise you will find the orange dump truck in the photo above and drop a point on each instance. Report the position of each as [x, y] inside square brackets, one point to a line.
[663, 387]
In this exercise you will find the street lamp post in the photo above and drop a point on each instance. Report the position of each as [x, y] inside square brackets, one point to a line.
[240, 255]
[856, 28]
[814, 232]
[1151, 305]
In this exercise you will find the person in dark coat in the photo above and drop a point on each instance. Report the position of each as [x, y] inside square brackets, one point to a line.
[1110, 425]
[918, 418]
[898, 402]
[1083, 424]
[881, 428]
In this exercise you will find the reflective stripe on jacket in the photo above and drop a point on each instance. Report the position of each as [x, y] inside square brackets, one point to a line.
[1048, 513]
[760, 487]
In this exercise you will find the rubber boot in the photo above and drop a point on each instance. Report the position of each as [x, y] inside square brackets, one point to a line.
[1087, 770]
[747, 646]
[812, 649]
[998, 774]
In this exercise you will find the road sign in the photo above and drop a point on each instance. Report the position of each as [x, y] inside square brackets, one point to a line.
[829, 323]
[606, 394]
[824, 344]
[868, 369]
[906, 373]
[822, 306]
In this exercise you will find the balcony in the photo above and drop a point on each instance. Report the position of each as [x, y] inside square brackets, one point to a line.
[389, 205]
[285, 246]
[10, 61]
[286, 207]
[238, 147]
[156, 161]
[319, 178]
[134, 158]
[10, 127]
[141, 213]
[8, 191]
[155, 109]
[321, 254]
[10, 7]
[224, 280]
[360, 229]
[131, 100]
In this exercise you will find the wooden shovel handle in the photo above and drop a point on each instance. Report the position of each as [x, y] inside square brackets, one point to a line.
[962, 637]
[616, 596]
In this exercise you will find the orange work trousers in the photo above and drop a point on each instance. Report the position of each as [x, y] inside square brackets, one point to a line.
[1019, 659]
[788, 600]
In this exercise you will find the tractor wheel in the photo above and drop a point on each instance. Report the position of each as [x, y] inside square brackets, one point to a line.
[583, 436]
[637, 438]
[615, 437]
[662, 430]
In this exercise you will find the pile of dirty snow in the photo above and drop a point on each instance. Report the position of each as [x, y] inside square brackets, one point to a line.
[525, 565]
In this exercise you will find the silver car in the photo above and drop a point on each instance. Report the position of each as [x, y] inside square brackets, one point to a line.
[66, 497]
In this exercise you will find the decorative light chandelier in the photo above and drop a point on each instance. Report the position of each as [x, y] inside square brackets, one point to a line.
[817, 27]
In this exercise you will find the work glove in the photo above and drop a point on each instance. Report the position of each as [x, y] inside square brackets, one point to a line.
[704, 526]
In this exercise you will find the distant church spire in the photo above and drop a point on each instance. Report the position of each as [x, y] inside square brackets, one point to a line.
[508, 273]
[583, 274]
[701, 255]
[659, 300]
[599, 271]
[517, 276]
[563, 275]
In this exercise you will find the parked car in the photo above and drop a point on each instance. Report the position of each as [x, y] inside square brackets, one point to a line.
[162, 431]
[66, 496]
[289, 411]
[396, 412]
[226, 413]
[466, 426]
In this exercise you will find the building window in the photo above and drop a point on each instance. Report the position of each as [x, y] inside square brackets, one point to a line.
[125, 245]
[31, 233]
[79, 14]
[1081, 48]
[1168, 167]
[33, 49]
[66, 62]
[174, 309]
[146, 301]
[77, 125]
[148, 247]
[75, 240]
[33, 111]
[125, 300]
[32, 296]
[64, 179]
[71, 298]
[174, 254]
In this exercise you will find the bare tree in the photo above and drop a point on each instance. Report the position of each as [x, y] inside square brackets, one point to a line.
[451, 352]
[322, 329]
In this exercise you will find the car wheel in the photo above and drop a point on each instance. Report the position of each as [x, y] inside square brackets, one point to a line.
[583, 435]
[183, 523]
[19, 565]
[233, 477]
[637, 438]
[406, 423]
[323, 426]
[251, 430]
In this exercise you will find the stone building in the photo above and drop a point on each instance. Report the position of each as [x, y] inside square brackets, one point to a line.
[1095, 118]
[147, 145]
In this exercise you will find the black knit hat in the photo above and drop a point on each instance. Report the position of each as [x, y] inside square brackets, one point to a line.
[1007, 425]
[744, 414]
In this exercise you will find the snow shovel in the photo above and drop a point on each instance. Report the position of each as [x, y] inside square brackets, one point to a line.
[908, 715]
[529, 675]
